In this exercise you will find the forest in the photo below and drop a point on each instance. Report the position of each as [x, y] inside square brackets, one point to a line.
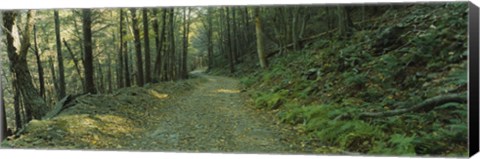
[359, 79]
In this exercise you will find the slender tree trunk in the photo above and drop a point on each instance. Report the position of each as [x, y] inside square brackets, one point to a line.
[184, 71]
[125, 50]
[39, 64]
[172, 46]
[61, 74]
[100, 84]
[235, 36]
[259, 33]
[109, 72]
[54, 76]
[138, 47]
[88, 57]
[294, 28]
[3, 115]
[209, 39]
[148, 73]
[120, 63]
[342, 21]
[229, 40]
[159, 39]
[75, 61]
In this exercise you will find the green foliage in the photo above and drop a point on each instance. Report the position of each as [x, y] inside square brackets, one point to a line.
[248, 81]
[426, 59]
[269, 100]
[354, 79]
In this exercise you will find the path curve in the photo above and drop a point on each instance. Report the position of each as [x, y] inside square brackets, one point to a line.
[215, 118]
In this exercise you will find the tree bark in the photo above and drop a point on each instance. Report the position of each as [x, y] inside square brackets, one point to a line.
[138, 47]
[171, 64]
[88, 57]
[61, 74]
[229, 40]
[3, 117]
[185, 43]
[54, 77]
[125, 50]
[159, 40]
[259, 33]
[342, 21]
[34, 103]
[148, 73]
[120, 64]
[209, 39]
[16, 107]
[75, 61]
[39, 64]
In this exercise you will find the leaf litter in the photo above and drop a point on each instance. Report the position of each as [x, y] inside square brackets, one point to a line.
[202, 114]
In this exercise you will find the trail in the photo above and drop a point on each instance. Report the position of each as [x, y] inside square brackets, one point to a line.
[214, 118]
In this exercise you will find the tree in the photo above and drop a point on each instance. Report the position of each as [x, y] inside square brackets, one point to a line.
[138, 47]
[88, 57]
[344, 22]
[61, 74]
[229, 40]
[171, 53]
[186, 28]
[39, 64]
[128, 82]
[120, 64]
[148, 75]
[35, 106]
[209, 39]
[159, 40]
[259, 33]
[3, 116]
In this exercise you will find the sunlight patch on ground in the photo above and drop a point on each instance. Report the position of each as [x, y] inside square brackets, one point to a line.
[158, 95]
[227, 91]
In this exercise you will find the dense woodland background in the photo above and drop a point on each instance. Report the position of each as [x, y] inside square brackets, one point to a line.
[363, 78]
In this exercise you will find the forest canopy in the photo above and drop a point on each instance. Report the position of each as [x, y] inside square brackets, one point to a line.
[352, 79]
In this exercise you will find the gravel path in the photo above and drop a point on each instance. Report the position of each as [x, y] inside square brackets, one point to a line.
[214, 118]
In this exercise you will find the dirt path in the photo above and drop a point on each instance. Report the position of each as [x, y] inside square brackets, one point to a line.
[213, 118]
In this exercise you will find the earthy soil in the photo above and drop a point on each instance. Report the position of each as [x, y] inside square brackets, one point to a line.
[202, 114]
[215, 118]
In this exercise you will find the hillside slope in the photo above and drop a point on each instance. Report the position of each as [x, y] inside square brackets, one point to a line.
[406, 58]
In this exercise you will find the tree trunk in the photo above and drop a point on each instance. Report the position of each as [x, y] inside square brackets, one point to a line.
[159, 39]
[88, 57]
[3, 117]
[61, 74]
[34, 103]
[128, 81]
[120, 64]
[185, 43]
[342, 21]
[54, 77]
[209, 39]
[148, 73]
[172, 46]
[229, 40]
[294, 28]
[259, 33]
[16, 107]
[75, 61]
[138, 47]
[235, 36]
[39, 64]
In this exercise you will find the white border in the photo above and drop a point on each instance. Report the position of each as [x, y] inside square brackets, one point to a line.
[48, 4]
[62, 154]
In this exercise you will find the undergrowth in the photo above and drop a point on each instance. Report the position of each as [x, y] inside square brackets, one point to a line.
[374, 71]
